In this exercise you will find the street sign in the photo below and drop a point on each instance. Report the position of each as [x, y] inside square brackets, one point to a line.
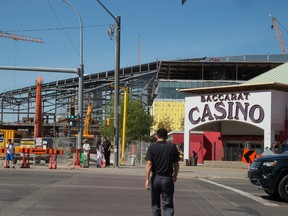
[248, 155]
[38, 142]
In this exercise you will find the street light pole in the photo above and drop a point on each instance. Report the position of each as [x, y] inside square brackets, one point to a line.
[116, 85]
[80, 88]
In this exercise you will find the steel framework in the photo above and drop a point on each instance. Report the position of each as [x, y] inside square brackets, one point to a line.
[59, 96]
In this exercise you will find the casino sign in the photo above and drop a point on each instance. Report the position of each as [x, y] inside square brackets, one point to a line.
[231, 106]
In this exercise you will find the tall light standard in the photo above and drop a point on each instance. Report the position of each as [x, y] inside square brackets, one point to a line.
[116, 80]
[80, 88]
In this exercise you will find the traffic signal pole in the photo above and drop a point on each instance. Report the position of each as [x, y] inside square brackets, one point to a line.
[116, 85]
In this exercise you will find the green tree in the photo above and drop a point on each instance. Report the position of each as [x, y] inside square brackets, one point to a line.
[166, 123]
[138, 122]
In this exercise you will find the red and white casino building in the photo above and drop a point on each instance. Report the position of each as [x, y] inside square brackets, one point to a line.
[221, 121]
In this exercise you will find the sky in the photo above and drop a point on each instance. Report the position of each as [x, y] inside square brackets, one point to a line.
[157, 29]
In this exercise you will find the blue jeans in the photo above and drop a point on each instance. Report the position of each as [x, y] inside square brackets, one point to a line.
[162, 187]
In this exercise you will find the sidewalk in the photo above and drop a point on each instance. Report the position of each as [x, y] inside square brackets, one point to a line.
[214, 170]
[208, 170]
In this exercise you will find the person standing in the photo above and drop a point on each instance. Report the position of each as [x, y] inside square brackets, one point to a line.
[99, 155]
[107, 151]
[162, 159]
[10, 149]
[86, 151]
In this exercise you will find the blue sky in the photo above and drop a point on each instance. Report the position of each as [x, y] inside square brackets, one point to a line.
[167, 30]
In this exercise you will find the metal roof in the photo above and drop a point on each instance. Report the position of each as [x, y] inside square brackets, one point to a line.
[278, 75]
[276, 79]
[237, 88]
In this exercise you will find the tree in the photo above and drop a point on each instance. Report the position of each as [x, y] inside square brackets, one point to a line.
[166, 123]
[138, 122]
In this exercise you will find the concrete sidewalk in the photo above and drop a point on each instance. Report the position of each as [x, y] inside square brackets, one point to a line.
[208, 170]
[212, 172]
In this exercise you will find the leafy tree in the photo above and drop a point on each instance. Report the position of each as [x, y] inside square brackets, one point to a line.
[166, 123]
[138, 122]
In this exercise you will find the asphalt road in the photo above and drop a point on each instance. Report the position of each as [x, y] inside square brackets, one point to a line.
[114, 191]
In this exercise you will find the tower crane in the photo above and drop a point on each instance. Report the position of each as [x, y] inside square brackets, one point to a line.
[278, 34]
[19, 37]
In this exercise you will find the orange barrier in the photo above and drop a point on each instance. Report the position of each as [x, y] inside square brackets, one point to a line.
[38, 151]
[25, 157]
[3, 151]
[53, 154]
[77, 160]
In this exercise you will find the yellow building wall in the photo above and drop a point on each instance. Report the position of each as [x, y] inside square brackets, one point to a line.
[168, 109]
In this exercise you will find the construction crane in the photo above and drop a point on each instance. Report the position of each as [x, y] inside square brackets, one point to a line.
[19, 37]
[38, 124]
[278, 34]
[87, 121]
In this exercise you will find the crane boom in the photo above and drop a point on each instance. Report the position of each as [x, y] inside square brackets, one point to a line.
[87, 119]
[38, 124]
[19, 37]
[278, 35]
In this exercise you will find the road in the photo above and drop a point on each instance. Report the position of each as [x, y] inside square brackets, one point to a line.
[115, 191]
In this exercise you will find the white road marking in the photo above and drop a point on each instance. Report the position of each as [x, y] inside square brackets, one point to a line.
[243, 193]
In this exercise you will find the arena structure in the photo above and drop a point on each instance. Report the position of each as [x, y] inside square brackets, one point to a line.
[155, 83]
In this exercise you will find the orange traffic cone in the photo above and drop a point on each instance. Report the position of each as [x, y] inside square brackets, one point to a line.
[55, 162]
[50, 163]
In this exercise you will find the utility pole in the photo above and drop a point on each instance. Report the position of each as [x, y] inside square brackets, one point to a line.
[116, 85]
[80, 88]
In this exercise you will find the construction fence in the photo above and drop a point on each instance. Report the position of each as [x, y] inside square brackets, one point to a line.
[134, 153]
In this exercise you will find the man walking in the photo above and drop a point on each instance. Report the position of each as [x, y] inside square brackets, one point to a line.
[107, 151]
[162, 159]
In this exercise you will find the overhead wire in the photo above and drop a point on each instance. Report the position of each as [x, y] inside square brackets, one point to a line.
[57, 29]
[64, 29]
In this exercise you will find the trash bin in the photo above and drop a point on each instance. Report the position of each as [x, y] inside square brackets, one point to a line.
[193, 161]
[82, 158]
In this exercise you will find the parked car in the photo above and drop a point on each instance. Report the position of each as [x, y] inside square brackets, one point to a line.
[270, 172]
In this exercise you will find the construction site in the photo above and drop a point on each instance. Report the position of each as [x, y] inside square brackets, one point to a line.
[49, 110]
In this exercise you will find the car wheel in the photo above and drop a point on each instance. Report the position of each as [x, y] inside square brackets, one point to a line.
[283, 188]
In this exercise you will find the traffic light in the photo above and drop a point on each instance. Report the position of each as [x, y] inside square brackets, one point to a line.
[72, 123]
[108, 122]
[72, 113]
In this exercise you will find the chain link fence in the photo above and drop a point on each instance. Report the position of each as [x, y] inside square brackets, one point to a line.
[134, 153]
